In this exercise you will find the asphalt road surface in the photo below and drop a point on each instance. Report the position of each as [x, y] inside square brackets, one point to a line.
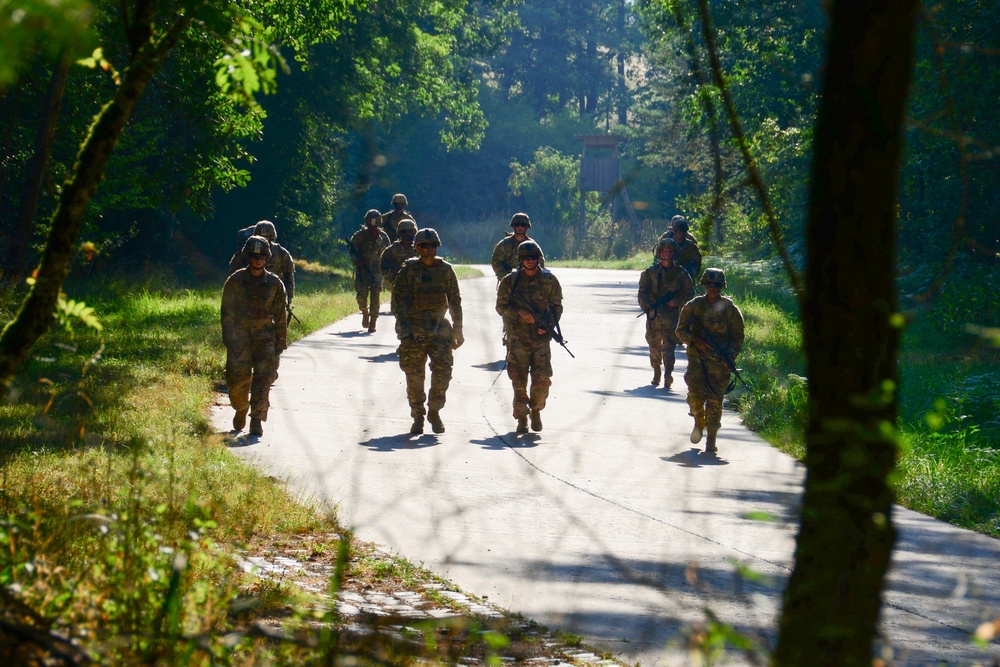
[609, 523]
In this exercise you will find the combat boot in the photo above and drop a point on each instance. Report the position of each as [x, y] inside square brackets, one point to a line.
[656, 377]
[256, 428]
[668, 381]
[418, 424]
[364, 318]
[710, 442]
[371, 323]
[536, 420]
[522, 425]
[435, 419]
[240, 419]
[696, 433]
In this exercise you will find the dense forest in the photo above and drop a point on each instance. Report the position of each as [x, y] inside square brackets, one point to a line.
[473, 110]
[138, 137]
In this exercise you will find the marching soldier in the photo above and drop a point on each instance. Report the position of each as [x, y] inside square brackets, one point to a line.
[400, 251]
[529, 299]
[505, 252]
[663, 288]
[712, 327]
[254, 330]
[366, 247]
[280, 263]
[391, 219]
[426, 289]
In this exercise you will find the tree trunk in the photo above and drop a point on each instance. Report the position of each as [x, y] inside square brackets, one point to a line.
[831, 605]
[35, 314]
[21, 234]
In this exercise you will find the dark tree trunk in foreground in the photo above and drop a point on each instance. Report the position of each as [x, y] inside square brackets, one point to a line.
[35, 315]
[831, 605]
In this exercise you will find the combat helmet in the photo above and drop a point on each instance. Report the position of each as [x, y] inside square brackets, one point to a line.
[680, 222]
[665, 243]
[529, 249]
[373, 214]
[427, 235]
[406, 225]
[713, 276]
[520, 218]
[257, 245]
[400, 199]
[266, 229]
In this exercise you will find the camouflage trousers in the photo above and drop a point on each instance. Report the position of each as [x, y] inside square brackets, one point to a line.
[368, 291]
[250, 370]
[662, 338]
[413, 354]
[707, 381]
[529, 358]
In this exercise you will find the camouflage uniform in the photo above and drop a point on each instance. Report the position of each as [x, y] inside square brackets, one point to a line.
[661, 323]
[707, 375]
[280, 264]
[688, 253]
[421, 298]
[254, 330]
[392, 260]
[367, 252]
[528, 352]
[505, 256]
[392, 218]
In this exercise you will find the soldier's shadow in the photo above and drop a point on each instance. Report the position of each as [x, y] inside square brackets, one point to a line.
[649, 391]
[492, 366]
[388, 443]
[382, 358]
[509, 440]
[695, 458]
[232, 439]
[350, 334]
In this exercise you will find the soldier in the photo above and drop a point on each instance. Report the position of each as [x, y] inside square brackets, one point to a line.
[663, 288]
[712, 327]
[366, 247]
[391, 219]
[530, 301]
[505, 252]
[400, 251]
[280, 263]
[425, 289]
[254, 330]
[688, 253]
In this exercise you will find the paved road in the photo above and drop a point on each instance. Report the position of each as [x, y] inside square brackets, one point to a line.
[609, 523]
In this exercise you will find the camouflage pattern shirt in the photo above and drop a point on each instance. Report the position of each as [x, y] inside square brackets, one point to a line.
[254, 305]
[389, 221]
[392, 259]
[367, 250]
[505, 256]
[518, 291]
[657, 280]
[422, 295]
[689, 256]
[280, 263]
[721, 321]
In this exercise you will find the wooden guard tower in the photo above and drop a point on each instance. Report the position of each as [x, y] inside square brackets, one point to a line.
[602, 173]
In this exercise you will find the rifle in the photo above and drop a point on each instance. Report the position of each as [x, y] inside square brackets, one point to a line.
[292, 315]
[543, 322]
[730, 364]
[662, 301]
[357, 253]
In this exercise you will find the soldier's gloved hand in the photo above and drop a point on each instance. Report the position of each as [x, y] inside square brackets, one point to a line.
[405, 333]
[457, 338]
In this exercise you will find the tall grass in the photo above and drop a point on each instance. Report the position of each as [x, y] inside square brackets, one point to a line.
[116, 496]
[949, 425]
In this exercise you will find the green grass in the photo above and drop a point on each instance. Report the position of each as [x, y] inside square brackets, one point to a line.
[949, 426]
